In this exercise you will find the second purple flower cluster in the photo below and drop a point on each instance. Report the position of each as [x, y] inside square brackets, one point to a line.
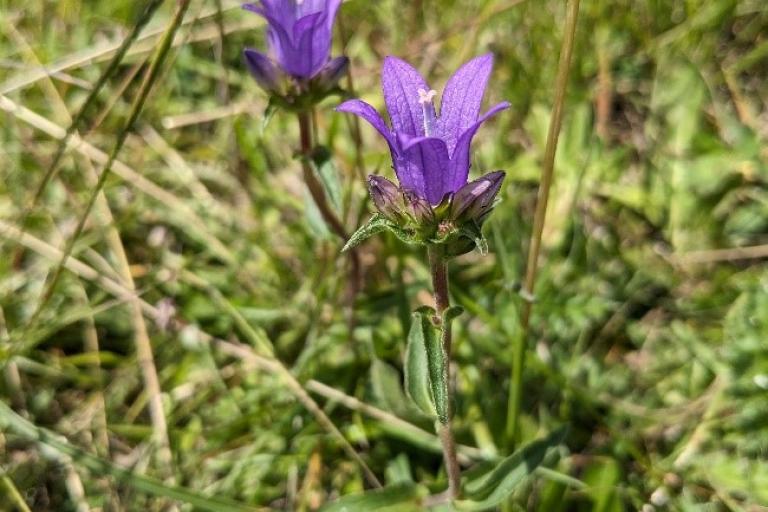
[434, 202]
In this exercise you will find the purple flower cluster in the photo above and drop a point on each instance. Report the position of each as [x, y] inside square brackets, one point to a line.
[431, 152]
[299, 39]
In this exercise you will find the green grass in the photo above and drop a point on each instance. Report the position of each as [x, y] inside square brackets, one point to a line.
[646, 339]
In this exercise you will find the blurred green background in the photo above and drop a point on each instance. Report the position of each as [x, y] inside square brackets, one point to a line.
[649, 334]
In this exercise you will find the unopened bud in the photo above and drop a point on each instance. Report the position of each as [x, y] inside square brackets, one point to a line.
[420, 209]
[328, 78]
[475, 200]
[386, 196]
[266, 73]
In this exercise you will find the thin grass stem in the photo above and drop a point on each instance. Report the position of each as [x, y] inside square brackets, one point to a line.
[518, 355]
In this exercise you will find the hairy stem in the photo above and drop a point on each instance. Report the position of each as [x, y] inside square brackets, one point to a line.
[313, 184]
[330, 217]
[518, 356]
[439, 269]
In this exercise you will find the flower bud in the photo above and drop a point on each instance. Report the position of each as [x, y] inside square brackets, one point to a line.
[328, 78]
[420, 210]
[475, 200]
[266, 73]
[386, 196]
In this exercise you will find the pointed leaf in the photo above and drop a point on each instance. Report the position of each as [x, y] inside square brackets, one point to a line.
[388, 390]
[494, 487]
[452, 313]
[329, 176]
[269, 113]
[438, 370]
[418, 383]
[377, 224]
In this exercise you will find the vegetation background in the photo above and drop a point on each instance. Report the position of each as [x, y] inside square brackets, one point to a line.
[650, 330]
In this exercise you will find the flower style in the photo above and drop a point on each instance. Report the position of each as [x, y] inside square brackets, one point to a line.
[431, 152]
[299, 40]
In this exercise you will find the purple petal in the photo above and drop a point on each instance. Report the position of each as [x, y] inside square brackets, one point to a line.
[263, 69]
[275, 16]
[278, 33]
[313, 45]
[401, 83]
[309, 7]
[430, 156]
[458, 169]
[367, 112]
[333, 71]
[331, 8]
[462, 97]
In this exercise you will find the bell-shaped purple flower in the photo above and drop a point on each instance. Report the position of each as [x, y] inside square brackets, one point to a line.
[299, 39]
[430, 152]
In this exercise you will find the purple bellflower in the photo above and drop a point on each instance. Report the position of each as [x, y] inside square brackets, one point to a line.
[299, 36]
[431, 152]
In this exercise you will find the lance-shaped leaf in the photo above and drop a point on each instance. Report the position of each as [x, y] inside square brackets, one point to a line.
[426, 367]
[418, 383]
[387, 387]
[377, 224]
[322, 162]
[438, 373]
[492, 488]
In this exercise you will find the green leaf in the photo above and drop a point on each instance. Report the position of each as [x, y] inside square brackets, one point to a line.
[322, 162]
[377, 224]
[417, 369]
[494, 487]
[269, 113]
[314, 218]
[560, 478]
[438, 369]
[426, 374]
[404, 497]
[388, 390]
[452, 313]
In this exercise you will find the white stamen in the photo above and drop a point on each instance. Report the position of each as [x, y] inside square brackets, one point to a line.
[425, 98]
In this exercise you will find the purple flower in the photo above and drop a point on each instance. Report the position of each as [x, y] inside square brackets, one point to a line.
[430, 152]
[299, 40]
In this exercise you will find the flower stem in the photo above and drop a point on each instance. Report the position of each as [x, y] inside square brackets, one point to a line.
[518, 356]
[439, 269]
[330, 217]
[313, 184]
